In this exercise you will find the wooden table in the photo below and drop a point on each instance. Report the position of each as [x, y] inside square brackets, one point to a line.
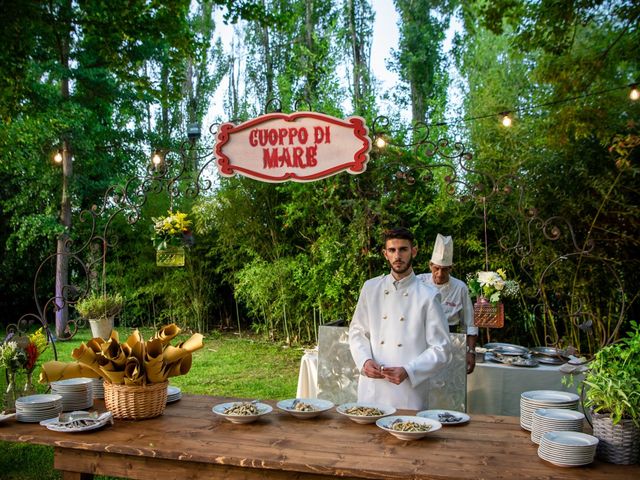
[190, 442]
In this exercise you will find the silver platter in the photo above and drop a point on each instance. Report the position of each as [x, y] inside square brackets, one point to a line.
[506, 349]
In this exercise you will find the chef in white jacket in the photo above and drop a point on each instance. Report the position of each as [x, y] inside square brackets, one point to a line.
[398, 335]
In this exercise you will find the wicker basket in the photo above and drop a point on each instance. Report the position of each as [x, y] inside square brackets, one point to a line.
[135, 402]
[618, 443]
[487, 314]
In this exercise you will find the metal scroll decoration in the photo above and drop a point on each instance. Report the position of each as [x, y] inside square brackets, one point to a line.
[186, 171]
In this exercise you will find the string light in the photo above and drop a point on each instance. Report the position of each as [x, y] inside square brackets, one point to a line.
[156, 159]
[380, 142]
[506, 119]
[523, 110]
[58, 156]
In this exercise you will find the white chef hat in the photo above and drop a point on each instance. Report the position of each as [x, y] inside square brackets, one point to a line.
[443, 251]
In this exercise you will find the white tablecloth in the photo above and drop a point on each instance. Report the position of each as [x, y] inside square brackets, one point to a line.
[492, 389]
[495, 389]
[308, 375]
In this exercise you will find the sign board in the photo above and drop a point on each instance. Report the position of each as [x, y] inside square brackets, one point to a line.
[301, 147]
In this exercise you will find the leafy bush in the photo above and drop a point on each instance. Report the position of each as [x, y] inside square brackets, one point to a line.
[614, 379]
[100, 306]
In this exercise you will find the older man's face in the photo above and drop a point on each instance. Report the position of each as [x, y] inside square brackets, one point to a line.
[439, 274]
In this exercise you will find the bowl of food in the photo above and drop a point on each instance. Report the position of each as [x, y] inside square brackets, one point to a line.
[406, 427]
[365, 412]
[305, 407]
[241, 412]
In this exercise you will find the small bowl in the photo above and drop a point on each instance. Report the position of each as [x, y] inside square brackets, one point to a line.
[385, 424]
[219, 409]
[318, 405]
[386, 409]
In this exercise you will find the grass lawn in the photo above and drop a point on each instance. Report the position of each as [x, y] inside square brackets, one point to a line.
[228, 365]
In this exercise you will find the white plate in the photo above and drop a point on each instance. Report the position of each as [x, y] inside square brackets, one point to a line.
[386, 410]
[219, 409]
[55, 425]
[385, 424]
[317, 404]
[7, 416]
[550, 396]
[441, 416]
[559, 414]
[570, 439]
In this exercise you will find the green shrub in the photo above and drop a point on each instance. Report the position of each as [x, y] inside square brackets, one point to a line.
[100, 306]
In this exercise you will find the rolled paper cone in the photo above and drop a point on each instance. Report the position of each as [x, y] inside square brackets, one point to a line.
[113, 351]
[153, 348]
[134, 338]
[166, 333]
[132, 372]
[173, 354]
[114, 336]
[53, 371]
[137, 351]
[180, 367]
[113, 377]
[95, 344]
[194, 343]
[87, 357]
[154, 369]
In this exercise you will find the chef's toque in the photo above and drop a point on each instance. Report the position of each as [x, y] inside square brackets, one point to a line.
[443, 251]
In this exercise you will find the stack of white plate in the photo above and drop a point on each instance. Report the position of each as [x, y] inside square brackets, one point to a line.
[535, 399]
[77, 393]
[555, 419]
[567, 449]
[173, 394]
[98, 388]
[35, 408]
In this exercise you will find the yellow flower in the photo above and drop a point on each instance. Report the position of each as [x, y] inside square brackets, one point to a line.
[502, 273]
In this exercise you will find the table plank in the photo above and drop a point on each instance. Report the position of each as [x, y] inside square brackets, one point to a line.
[189, 441]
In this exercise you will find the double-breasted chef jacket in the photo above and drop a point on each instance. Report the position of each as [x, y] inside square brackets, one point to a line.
[399, 324]
[456, 302]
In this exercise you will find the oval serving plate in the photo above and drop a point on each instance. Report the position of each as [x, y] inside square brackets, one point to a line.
[507, 348]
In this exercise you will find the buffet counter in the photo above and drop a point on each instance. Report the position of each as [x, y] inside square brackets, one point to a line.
[189, 441]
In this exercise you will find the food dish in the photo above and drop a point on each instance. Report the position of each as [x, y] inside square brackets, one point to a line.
[312, 406]
[345, 408]
[223, 408]
[388, 423]
[506, 348]
[79, 421]
[445, 417]
[516, 361]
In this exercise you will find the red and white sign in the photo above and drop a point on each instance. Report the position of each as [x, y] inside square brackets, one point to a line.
[302, 147]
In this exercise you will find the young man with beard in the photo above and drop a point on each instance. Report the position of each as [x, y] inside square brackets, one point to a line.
[398, 335]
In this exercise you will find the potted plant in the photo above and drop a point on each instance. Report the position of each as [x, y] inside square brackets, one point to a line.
[490, 288]
[100, 310]
[611, 390]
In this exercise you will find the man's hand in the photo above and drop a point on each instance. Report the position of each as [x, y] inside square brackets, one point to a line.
[394, 374]
[371, 369]
[471, 362]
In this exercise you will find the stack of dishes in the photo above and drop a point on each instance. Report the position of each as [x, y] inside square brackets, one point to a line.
[532, 400]
[35, 408]
[567, 449]
[555, 419]
[98, 388]
[173, 394]
[76, 393]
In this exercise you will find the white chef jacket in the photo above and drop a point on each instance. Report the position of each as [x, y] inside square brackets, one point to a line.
[399, 324]
[456, 302]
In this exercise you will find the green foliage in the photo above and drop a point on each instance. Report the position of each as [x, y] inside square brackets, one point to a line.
[613, 379]
[100, 305]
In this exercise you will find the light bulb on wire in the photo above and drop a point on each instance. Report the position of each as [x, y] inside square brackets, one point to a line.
[58, 157]
[634, 94]
[506, 120]
[156, 159]
[380, 142]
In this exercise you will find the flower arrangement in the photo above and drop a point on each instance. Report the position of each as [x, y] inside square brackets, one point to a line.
[492, 286]
[12, 357]
[172, 230]
[37, 344]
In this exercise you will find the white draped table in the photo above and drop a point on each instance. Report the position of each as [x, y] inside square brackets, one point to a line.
[492, 389]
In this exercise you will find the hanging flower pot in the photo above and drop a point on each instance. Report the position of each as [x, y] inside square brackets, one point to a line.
[170, 257]
[487, 314]
[170, 236]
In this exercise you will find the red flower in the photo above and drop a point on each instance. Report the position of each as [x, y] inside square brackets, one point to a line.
[32, 356]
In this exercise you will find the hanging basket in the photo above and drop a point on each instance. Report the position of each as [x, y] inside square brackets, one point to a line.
[618, 443]
[170, 257]
[487, 314]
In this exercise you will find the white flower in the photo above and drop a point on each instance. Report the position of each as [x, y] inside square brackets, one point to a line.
[485, 278]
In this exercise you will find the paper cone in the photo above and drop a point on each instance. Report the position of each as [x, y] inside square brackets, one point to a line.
[113, 351]
[168, 332]
[194, 343]
[132, 372]
[154, 364]
[180, 367]
[173, 354]
[87, 357]
[95, 344]
[53, 371]
[113, 377]
[134, 338]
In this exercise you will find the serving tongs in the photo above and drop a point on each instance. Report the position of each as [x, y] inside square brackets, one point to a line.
[79, 419]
